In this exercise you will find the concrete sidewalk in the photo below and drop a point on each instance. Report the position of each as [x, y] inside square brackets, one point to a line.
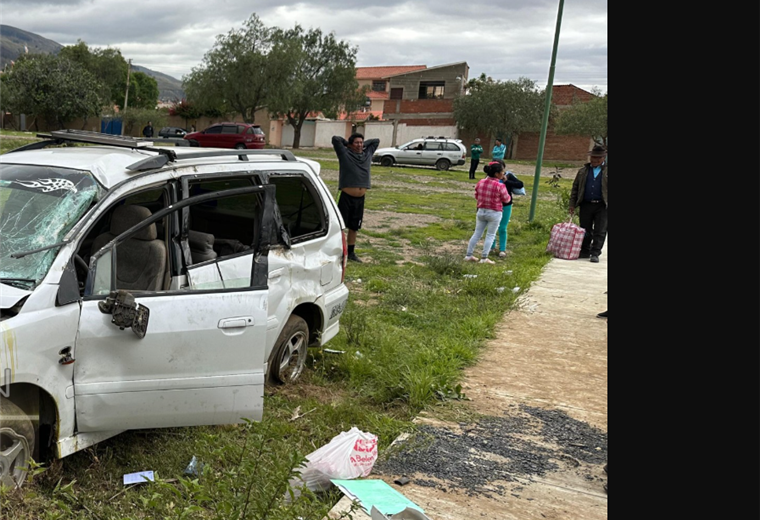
[550, 352]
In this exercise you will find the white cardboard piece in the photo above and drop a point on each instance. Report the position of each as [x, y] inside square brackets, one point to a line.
[407, 514]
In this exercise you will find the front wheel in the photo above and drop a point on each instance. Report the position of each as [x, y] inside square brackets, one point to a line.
[386, 161]
[288, 357]
[16, 444]
[442, 164]
[193, 142]
[240, 146]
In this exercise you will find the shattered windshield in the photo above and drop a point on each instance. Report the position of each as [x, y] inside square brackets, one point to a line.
[38, 206]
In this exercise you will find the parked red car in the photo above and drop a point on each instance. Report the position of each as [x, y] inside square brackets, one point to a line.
[229, 135]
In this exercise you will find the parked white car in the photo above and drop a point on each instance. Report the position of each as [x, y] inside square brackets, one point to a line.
[145, 287]
[440, 152]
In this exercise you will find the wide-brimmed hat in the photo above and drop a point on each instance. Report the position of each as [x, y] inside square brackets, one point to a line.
[597, 151]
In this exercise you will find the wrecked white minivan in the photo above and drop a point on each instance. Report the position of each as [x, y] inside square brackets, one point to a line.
[146, 287]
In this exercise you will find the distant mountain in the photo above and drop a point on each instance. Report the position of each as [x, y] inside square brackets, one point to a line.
[169, 88]
[14, 42]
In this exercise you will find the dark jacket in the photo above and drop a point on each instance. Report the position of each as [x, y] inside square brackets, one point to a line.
[579, 185]
[512, 183]
[354, 168]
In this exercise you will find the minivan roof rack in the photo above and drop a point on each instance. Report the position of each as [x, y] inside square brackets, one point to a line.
[58, 137]
[167, 155]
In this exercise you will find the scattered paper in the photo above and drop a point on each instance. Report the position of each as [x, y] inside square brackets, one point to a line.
[138, 478]
[407, 514]
[377, 493]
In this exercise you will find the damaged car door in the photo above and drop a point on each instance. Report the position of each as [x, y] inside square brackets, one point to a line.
[189, 353]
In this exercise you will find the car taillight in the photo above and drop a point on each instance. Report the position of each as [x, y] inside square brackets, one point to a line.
[344, 260]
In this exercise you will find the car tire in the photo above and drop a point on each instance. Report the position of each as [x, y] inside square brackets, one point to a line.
[442, 164]
[193, 142]
[386, 161]
[288, 357]
[240, 146]
[16, 439]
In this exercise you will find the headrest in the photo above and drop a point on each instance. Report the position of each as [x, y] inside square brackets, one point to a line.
[200, 241]
[124, 217]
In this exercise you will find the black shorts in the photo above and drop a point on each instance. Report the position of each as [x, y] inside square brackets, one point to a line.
[352, 210]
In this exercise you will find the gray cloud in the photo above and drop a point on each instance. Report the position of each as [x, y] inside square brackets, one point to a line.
[503, 39]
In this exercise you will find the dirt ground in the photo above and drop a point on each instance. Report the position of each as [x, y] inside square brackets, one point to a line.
[530, 440]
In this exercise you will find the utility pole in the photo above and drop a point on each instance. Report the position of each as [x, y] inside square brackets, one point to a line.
[545, 123]
[126, 95]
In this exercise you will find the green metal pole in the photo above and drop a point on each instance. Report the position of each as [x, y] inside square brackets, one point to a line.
[545, 123]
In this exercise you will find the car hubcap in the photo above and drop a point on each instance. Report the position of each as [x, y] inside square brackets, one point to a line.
[294, 357]
[14, 453]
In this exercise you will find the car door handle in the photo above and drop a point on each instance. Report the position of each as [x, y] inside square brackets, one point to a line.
[236, 323]
[276, 273]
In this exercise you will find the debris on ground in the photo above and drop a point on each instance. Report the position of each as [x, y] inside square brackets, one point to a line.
[139, 477]
[525, 442]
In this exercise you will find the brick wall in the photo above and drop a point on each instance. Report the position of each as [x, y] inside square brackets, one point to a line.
[417, 106]
[556, 147]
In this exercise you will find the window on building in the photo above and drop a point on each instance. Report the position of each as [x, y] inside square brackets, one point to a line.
[397, 93]
[378, 85]
[431, 89]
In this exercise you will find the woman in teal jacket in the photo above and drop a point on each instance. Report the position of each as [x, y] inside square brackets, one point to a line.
[512, 183]
[499, 150]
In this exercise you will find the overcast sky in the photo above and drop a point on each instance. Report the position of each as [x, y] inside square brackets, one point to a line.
[505, 39]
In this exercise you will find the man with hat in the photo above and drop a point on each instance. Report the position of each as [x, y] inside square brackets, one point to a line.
[589, 195]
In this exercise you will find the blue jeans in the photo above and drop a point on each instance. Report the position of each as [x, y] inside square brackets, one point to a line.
[486, 220]
[506, 214]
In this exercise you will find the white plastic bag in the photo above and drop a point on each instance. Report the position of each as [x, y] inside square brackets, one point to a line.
[348, 455]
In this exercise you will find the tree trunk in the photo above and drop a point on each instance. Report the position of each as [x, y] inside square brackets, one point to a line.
[296, 136]
[297, 129]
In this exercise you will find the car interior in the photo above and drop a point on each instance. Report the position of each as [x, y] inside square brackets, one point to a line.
[151, 260]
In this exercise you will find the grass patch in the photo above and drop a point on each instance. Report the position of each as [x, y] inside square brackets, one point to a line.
[417, 316]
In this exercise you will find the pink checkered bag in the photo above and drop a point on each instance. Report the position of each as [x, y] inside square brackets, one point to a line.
[565, 240]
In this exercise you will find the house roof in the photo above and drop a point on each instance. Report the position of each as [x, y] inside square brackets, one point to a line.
[373, 94]
[384, 72]
[360, 116]
[427, 68]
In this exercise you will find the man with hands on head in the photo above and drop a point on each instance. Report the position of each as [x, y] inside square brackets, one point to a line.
[354, 160]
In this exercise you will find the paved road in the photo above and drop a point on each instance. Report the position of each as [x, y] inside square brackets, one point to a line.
[549, 353]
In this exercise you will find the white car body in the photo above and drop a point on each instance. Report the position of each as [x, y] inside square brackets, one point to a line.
[212, 330]
[440, 152]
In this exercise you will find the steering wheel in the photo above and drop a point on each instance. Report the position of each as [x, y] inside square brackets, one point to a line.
[80, 262]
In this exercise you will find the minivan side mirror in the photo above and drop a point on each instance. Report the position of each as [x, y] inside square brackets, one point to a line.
[125, 313]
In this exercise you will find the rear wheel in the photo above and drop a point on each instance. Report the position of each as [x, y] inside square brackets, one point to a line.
[386, 161]
[288, 357]
[442, 164]
[16, 444]
[240, 146]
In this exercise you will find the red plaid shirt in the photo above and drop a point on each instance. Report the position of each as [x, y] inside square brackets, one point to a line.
[491, 194]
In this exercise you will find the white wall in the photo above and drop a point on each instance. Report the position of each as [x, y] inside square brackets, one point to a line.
[307, 134]
[326, 129]
[379, 130]
[407, 133]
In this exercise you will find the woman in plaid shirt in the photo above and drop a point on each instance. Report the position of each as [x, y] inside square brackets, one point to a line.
[491, 196]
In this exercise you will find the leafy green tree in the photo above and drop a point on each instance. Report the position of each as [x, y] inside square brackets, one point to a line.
[318, 75]
[51, 87]
[235, 76]
[585, 118]
[501, 108]
[134, 119]
[143, 91]
[108, 65]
